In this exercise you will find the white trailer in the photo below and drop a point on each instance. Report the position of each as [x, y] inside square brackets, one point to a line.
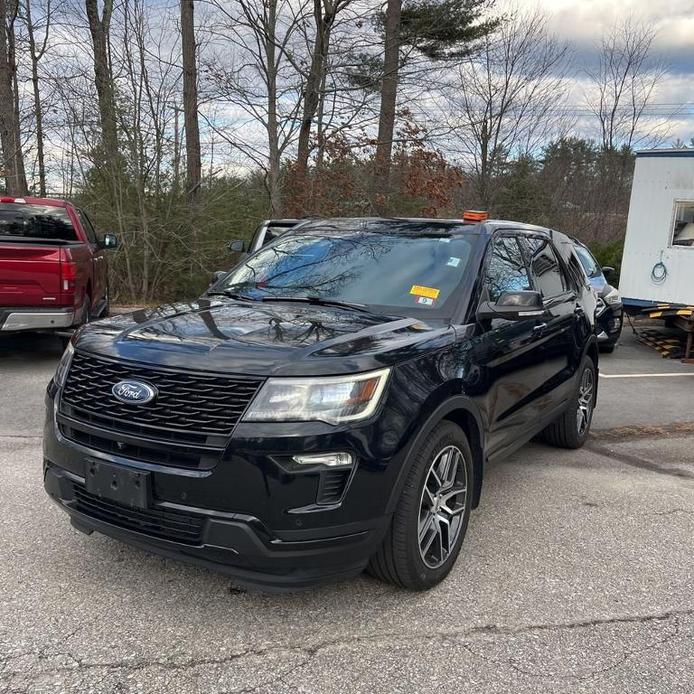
[658, 260]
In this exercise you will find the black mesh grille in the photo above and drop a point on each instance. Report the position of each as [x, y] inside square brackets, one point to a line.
[193, 402]
[167, 525]
[187, 425]
[332, 486]
[141, 451]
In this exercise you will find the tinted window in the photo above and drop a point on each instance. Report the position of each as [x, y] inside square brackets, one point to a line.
[576, 274]
[19, 221]
[544, 267]
[589, 264]
[506, 271]
[88, 228]
[405, 266]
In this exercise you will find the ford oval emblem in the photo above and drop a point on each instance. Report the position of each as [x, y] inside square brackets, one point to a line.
[134, 392]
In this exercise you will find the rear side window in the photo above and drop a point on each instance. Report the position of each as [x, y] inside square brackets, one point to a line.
[506, 271]
[22, 222]
[545, 269]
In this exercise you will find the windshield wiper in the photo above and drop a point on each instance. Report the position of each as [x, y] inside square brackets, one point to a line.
[317, 301]
[232, 295]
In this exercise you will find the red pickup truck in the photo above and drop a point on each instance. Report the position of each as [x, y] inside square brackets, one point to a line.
[53, 273]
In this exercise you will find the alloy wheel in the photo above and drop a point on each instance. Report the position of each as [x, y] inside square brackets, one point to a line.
[584, 412]
[442, 506]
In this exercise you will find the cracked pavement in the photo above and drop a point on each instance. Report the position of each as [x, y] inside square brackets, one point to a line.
[577, 575]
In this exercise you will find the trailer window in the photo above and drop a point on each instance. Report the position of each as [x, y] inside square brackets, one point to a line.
[683, 232]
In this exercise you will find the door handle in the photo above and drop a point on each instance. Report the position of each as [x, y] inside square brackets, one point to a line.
[539, 329]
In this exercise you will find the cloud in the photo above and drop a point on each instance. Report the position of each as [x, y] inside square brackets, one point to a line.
[582, 24]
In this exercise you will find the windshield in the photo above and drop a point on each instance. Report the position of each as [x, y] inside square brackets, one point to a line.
[19, 221]
[392, 266]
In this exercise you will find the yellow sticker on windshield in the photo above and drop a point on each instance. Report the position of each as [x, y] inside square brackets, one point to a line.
[428, 292]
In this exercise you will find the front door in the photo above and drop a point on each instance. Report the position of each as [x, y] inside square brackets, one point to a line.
[509, 370]
[100, 269]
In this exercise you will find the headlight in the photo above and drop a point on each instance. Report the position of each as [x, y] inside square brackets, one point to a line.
[612, 297]
[330, 399]
[63, 366]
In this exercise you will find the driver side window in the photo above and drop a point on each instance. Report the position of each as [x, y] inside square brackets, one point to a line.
[506, 271]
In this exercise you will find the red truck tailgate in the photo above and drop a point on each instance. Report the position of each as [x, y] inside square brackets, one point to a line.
[36, 242]
[29, 275]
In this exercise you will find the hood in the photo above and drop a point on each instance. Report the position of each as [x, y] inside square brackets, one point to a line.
[262, 338]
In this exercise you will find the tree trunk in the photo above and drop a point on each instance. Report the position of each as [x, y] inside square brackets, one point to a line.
[389, 93]
[190, 101]
[10, 135]
[38, 106]
[99, 28]
[273, 174]
[312, 92]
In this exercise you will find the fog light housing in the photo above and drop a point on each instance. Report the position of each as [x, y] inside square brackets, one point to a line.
[331, 460]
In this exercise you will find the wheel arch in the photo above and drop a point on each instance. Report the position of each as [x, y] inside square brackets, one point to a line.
[463, 412]
[592, 350]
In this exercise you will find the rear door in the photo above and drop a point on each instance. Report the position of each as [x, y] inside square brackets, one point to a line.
[556, 334]
[32, 237]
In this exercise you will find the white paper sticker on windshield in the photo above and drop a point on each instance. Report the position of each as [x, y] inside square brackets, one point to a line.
[426, 301]
[453, 262]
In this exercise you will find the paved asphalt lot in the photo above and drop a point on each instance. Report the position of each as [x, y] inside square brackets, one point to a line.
[577, 575]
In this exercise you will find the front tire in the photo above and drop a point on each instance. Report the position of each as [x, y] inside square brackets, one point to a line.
[431, 518]
[571, 429]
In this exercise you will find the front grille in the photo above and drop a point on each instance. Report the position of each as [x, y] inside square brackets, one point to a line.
[175, 526]
[186, 425]
[187, 401]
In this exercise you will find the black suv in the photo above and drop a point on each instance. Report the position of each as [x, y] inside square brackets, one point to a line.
[331, 403]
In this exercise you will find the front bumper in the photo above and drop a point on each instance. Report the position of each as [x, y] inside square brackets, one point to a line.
[21, 318]
[231, 543]
[609, 323]
[248, 515]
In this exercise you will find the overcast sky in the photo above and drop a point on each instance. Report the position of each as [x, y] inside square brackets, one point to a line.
[582, 22]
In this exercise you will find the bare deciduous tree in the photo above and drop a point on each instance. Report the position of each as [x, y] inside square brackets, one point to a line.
[504, 100]
[264, 81]
[623, 86]
[190, 100]
[99, 28]
[389, 92]
[37, 50]
[10, 132]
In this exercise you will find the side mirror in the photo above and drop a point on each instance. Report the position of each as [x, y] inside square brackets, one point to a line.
[216, 276]
[109, 241]
[512, 306]
[237, 246]
[608, 270]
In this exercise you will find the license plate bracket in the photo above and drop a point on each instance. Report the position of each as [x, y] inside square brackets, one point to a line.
[119, 484]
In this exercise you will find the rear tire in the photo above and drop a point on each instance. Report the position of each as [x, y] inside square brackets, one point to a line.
[431, 518]
[571, 429]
